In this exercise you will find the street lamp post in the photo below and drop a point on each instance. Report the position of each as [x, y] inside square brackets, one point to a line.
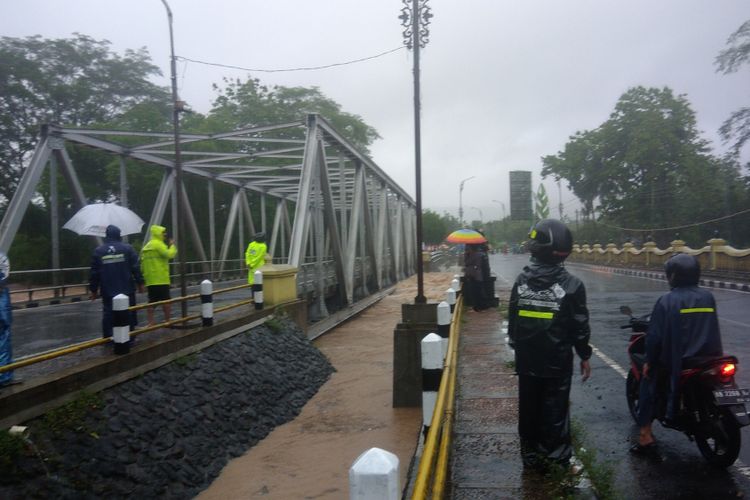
[460, 200]
[502, 205]
[415, 18]
[177, 107]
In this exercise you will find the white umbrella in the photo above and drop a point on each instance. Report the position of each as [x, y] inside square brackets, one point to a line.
[92, 220]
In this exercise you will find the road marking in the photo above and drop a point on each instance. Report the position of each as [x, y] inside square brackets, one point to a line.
[738, 464]
[611, 362]
[738, 323]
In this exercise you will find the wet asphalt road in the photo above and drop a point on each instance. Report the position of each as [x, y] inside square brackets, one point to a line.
[599, 405]
[41, 329]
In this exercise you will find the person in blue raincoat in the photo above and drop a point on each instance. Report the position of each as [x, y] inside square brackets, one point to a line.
[6, 319]
[683, 325]
[114, 270]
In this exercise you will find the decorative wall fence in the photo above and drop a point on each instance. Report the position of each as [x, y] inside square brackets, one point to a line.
[715, 256]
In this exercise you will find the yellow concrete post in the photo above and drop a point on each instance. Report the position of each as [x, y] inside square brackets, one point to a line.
[279, 284]
[626, 250]
[716, 244]
[650, 246]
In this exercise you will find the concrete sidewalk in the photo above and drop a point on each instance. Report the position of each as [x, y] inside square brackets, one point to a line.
[486, 455]
[485, 460]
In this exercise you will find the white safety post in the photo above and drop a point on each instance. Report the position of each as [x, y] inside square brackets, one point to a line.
[444, 324]
[456, 284]
[121, 323]
[450, 298]
[374, 476]
[432, 372]
[258, 289]
[207, 302]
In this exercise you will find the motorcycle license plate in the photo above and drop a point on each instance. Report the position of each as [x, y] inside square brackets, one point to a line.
[732, 396]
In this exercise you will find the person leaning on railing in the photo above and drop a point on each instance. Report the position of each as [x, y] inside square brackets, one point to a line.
[155, 257]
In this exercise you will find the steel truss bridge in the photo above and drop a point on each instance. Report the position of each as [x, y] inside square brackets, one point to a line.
[352, 228]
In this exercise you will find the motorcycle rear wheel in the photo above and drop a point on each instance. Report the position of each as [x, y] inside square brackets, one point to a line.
[721, 446]
[632, 389]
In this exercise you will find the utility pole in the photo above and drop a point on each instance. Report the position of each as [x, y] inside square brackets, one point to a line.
[177, 107]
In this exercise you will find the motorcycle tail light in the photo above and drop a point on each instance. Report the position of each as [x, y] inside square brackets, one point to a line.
[728, 369]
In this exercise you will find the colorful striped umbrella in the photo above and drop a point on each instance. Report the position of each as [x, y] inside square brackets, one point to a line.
[466, 236]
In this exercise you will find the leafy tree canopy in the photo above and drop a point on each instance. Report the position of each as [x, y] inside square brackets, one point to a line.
[76, 82]
[729, 60]
[646, 166]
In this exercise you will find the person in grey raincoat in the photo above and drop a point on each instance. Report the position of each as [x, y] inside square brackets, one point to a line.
[6, 319]
[683, 325]
[547, 320]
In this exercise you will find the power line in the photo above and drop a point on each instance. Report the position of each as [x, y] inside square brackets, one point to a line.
[304, 68]
[677, 227]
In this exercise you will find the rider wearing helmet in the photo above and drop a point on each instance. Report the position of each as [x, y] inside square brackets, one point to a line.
[683, 326]
[547, 320]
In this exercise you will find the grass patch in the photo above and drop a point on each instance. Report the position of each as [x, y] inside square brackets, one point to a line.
[11, 448]
[601, 474]
[185, 361]
[70, 416]
[274, 324]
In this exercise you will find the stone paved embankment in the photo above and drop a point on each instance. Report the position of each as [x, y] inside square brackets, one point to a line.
[170, 432]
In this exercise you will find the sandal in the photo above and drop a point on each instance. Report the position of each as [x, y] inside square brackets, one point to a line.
[645, 450]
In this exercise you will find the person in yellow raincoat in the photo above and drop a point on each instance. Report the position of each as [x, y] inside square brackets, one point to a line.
[155, 257]
[255, 255]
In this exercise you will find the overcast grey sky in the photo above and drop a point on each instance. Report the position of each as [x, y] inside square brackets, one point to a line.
[503, 82]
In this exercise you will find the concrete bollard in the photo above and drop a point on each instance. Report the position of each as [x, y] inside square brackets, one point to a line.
[121, 323]
[444, 324]
[450, 298]
[432, 372]
[207, 302]
[374, 476]
[456, 284]
[258, 289]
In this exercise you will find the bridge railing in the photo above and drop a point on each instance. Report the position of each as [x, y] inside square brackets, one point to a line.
[716, 256]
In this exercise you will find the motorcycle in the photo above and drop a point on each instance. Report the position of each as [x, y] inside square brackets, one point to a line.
[711, 408]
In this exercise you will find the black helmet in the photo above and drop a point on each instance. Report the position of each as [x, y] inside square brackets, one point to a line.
[260, 237]
[683, 270]
[550, 241]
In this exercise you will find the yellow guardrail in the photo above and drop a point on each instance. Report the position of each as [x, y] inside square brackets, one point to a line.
[95, 342]
[432, 474]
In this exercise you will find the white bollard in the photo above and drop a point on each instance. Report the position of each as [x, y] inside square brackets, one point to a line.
[450, 298]
[456, 284]
[121, 323]
[207, 302]
[258, 289]
[432, 372]
[444, 324]
[374, 476]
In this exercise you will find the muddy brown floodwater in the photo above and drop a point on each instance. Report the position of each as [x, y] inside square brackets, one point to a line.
[310, 456]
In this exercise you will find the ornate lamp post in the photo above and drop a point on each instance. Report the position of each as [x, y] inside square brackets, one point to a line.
[177, 107]
[415, 17]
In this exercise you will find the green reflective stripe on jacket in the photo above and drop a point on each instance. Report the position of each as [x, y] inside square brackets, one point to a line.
[535, 314]
[697, 310]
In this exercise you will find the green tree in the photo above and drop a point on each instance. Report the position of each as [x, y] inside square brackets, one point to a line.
[729, 60]
[250, 103]
[436, 227]
[646, 166]
[77, 81]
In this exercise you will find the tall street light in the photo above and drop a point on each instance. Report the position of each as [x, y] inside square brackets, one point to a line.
[460, 200]
[502, 205]
[177, 107]
[415, 18]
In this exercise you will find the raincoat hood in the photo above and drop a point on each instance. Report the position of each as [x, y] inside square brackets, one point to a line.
[112, 233]
[542, 275]
[157, 232]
